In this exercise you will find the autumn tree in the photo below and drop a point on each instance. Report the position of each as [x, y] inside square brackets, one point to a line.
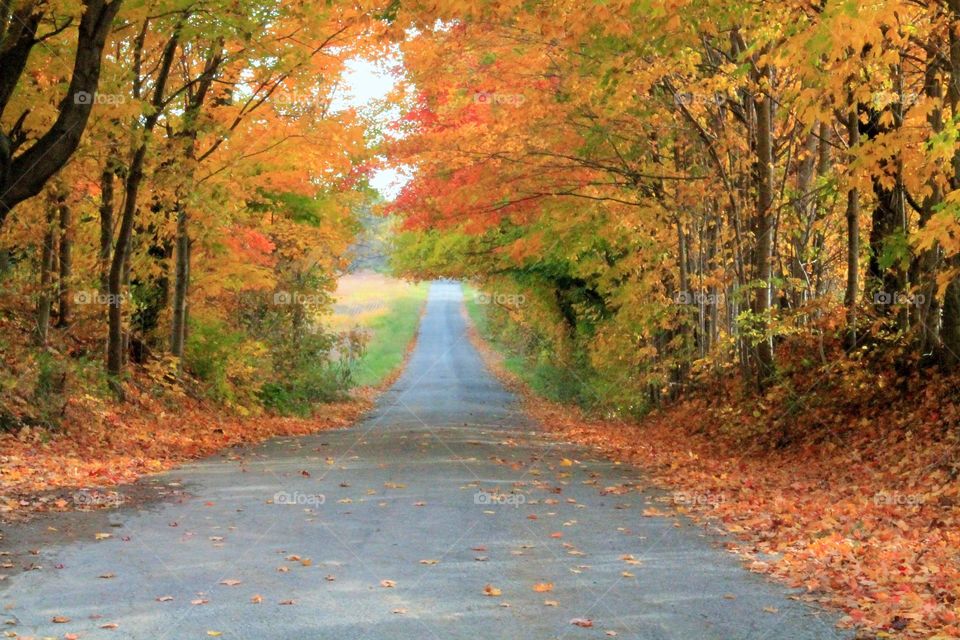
[29, 159]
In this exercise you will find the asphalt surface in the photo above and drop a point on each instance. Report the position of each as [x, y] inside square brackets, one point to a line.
[394, 529]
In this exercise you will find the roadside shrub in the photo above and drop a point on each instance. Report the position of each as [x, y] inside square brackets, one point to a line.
[320, 371]
[226, 362]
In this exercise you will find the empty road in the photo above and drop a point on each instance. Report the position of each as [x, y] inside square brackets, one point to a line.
[443, 514]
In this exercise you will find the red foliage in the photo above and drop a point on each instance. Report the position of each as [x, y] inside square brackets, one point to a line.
[251, 246]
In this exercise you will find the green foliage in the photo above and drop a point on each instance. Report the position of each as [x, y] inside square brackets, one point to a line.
[304, 385]
[896, 251]
[49, 393]
[278, 358]
[530, 354]
[224, 361]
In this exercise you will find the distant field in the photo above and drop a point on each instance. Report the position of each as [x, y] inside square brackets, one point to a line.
[387, 310]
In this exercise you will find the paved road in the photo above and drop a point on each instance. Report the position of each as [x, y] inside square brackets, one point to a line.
[405, 500]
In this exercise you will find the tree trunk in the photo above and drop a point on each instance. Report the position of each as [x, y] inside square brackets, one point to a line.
[106, 225]
[805, 209]
[821, 282]
[950, 329]
[118, 262]
[886, 281]
[950, 332]
[66, 262]
[925, 308]
[45, 301]
[182, 279]
[762, 303]
[851, 294]
[178, 333]
[115, 337]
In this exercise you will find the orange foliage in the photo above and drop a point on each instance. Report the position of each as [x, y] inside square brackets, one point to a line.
[108, 445]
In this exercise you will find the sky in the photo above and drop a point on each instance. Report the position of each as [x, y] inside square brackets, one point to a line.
[365, 82]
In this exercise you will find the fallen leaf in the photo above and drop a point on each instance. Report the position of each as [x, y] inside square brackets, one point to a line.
[491, 590]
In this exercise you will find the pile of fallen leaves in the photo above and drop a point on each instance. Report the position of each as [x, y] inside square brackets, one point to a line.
[859, 506]
[104, 444]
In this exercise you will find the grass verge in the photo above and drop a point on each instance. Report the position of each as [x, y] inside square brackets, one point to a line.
[541, 374]
[516, 364]
[388, 312]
